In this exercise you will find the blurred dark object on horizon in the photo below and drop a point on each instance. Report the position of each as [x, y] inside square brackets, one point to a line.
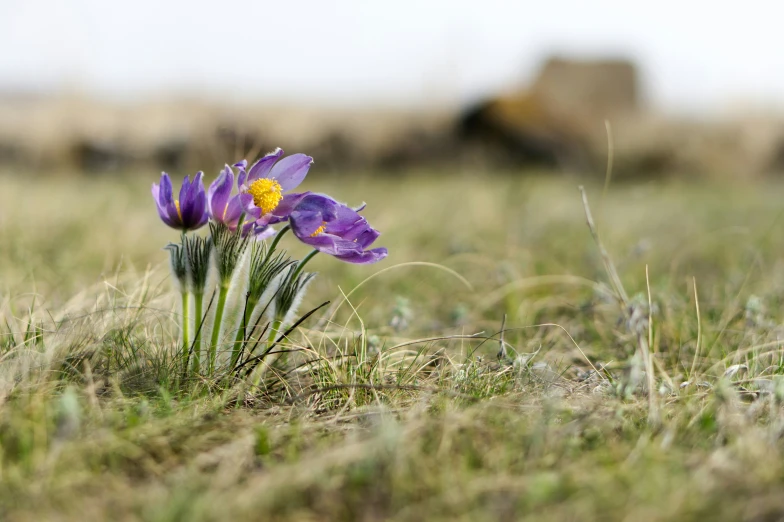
[551, 123]
[556, 123]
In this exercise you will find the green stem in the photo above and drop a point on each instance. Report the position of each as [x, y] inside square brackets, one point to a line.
[273, 332]
[275, 241]
[198, 300]
[302, 264]
[239, 341]
[216, 326]
[186, 341]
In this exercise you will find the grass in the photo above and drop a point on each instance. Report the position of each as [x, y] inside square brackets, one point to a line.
[396, 404]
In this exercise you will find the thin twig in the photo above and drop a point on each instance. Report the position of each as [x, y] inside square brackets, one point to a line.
[502, 353]
[609, 266]
[699, 329]
[653, 414]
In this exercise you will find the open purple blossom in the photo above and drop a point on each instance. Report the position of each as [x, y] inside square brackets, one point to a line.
[189, 211]
[267, 180]
[335, 229]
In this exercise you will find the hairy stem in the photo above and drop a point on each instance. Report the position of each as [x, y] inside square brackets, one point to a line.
[198, 300]
[186, 341]
[273, 332]
[216, 326]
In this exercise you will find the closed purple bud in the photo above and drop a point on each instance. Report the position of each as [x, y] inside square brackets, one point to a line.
[189, 211]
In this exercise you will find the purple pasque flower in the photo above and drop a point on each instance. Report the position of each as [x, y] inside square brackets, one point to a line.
[189, 211]
[335, 229]
[267, 180]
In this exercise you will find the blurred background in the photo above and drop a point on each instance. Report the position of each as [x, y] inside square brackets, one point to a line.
[691, 89]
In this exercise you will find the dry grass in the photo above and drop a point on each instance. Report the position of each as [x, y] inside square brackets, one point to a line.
[400, 413]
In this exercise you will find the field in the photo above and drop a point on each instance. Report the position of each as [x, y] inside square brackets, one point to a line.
[654, 395]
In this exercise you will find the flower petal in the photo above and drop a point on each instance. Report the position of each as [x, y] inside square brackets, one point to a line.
[265, 232]
[365, 257]
[183, 197]
[329, 244]
[327, 206]
[218, 194]
[163, 211]
[238, 205]
[347, 224]
[261, 168]
[291, 170]
[287, 205]
[242, 173]
[167, 196]
[164, 201]
[203, 217]
[193, 202]
[367, 237]
[187, 206]
[305, 223]
[165, 188]
[197, 186]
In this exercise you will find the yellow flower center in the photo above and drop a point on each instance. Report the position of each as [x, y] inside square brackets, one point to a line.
[177, 205]
[266, 193]
[320, 229]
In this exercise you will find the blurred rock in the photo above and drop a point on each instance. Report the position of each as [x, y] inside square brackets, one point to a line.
[554, 123]
[518, 130]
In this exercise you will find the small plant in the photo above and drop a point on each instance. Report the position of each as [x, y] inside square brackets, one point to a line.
[235, 264]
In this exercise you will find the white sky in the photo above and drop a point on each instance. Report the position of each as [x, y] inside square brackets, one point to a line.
[694, 54]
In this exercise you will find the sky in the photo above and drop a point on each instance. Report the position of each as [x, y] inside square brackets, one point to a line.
[694, 55]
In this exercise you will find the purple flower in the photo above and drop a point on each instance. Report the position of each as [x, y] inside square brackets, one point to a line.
[335, 229]
[267, 180]
[189, 212]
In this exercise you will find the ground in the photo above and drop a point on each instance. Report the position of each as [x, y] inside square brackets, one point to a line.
[408, 412]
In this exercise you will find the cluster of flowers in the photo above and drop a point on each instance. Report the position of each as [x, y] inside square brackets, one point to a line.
[263, 199]
[240, 222]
